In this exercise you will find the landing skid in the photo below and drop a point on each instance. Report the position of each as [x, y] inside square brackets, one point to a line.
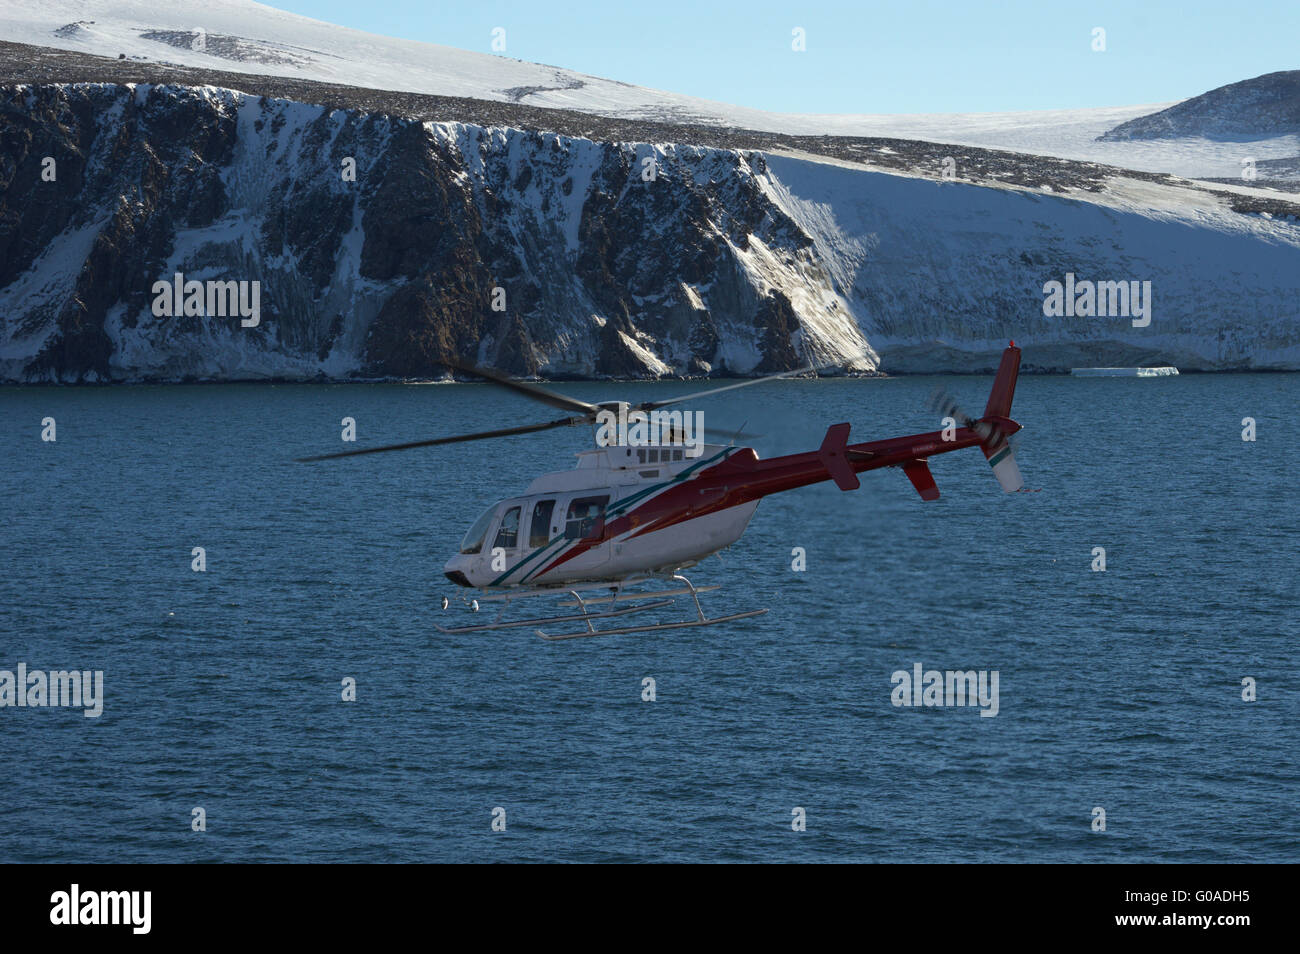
[549, 619]
[587, 616]
[688, 587]
[620, 597]
[650, 628]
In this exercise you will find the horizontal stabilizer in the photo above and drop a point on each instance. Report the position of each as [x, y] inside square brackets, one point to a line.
[833, 455]
[918, 472]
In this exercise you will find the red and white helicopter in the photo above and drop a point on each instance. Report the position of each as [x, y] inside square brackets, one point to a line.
[630, 515]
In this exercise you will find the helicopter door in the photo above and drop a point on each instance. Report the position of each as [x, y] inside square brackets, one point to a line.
[584, 519]
[541, 526]
[505, 546]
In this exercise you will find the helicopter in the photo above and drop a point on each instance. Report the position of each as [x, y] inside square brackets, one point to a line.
[638, 511]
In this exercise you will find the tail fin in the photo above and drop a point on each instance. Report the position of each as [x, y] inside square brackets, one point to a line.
[997, 421]
[1004, 385]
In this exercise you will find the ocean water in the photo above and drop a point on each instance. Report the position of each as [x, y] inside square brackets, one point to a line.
[1119, 689]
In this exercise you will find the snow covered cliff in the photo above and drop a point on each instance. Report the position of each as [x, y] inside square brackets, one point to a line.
[384, 244]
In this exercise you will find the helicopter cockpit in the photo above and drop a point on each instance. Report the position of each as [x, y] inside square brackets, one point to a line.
[583, 519]
[472, 542]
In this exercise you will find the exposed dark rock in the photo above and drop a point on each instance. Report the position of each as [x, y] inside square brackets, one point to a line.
[419, 330]
[1261, 107]
[616, 357]
[776, 325]
[516, 354]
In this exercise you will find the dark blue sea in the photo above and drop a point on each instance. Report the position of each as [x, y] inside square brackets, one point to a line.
[1119, 690]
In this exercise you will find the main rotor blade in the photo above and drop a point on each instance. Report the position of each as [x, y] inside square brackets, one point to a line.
[729, 435]
[482, 435]
[675, 435]
[651, 405]
[534, 391]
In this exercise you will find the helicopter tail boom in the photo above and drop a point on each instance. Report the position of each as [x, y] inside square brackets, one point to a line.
[745, 477]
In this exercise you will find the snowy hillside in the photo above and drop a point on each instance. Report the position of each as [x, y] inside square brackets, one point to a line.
[605, 257]
[1267, 105]
[249, 37]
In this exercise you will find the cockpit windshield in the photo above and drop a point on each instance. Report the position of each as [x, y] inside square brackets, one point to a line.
[473, 541]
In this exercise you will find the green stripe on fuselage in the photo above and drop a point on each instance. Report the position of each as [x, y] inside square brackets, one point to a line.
[622, 505]
[616, 509]
[529, 559]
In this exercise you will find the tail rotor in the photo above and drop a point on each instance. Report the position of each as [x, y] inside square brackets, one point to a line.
[996, 427]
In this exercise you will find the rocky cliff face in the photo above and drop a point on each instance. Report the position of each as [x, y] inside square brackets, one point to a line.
[385, 246]
[519, 249]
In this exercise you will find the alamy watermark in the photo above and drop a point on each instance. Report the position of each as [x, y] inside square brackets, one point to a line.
[212, 299]
[631, 428]
[75, 906]
[1089, 299]
[37, 689]
[930, 687]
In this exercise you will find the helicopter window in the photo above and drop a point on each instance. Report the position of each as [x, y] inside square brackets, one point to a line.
[508, 535]
[677, 455]
[473, 541]
[539, 528]
[585, 514]
[640, 455]
[652, 455]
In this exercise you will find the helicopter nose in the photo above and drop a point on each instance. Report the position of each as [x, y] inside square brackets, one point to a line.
[454, 570]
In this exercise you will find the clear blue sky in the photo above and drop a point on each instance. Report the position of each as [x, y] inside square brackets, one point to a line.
[865, 57]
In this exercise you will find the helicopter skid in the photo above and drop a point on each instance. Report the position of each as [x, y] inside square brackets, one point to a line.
[654, 600]
[652, 627]
[620, 597]
[550, 619]
[687, 587]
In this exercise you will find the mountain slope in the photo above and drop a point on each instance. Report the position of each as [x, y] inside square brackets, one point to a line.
[1260, 108]
[611, 257]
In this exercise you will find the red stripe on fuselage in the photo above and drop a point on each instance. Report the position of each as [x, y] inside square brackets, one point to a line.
[653, 514]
